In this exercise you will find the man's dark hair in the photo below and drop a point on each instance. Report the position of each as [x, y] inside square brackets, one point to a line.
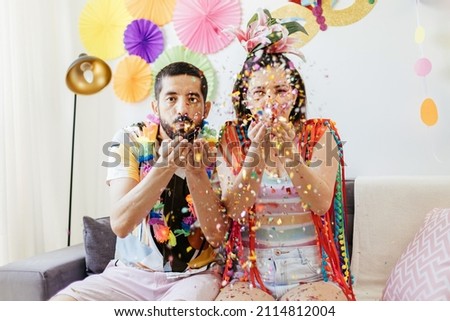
[180, 68]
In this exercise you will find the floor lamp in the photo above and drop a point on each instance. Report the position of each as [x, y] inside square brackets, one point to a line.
[87, 75]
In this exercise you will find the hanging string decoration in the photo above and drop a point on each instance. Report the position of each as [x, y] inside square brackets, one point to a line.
[423, 67]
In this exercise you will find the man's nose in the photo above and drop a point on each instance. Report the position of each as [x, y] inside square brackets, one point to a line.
[182, 106]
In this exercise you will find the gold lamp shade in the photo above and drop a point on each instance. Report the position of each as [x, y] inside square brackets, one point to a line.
[76, 77]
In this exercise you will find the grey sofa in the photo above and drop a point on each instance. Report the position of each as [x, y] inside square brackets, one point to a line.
[38, 278]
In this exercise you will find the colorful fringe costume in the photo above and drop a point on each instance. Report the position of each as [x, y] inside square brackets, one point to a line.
[330, 227]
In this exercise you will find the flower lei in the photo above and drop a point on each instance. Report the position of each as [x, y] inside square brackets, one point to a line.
[157, 219]
[265, 32]
[162, 231]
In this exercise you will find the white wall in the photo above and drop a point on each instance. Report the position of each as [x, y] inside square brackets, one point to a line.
[360, 75]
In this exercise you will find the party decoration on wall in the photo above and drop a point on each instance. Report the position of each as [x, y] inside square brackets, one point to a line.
[101, 27]
[423, 67]
[306, 18]
[158, 11]
[316, 9]
[132, 79]
[200, 24]
[181, 53]
[144, 39]
[318, 15]
[419, 35]
[429, 112]
[344, 17]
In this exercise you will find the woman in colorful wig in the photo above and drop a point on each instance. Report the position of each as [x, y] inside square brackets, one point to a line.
[282, 180]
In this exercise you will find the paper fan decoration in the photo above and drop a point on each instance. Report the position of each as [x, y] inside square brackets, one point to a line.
[132, 79]
[180, 53]
[200, 24]
[144, 39]
[158, 11]
[101, 26]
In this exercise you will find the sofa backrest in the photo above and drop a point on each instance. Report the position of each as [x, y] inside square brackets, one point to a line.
[388, 212]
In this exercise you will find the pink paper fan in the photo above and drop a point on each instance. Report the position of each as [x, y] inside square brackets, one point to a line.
[200, 24]
[144, 39]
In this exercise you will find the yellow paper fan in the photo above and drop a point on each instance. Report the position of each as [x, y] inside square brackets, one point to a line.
[158, 11]
[132, 79]
[101, 26]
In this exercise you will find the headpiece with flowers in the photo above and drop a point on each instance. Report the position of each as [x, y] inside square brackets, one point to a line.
[271, 34]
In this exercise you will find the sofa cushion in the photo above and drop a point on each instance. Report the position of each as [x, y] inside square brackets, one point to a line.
[99, 242]
[423, 270]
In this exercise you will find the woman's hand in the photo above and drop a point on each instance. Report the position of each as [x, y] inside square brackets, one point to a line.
[285, 131]
[284, 136]
[257, 132]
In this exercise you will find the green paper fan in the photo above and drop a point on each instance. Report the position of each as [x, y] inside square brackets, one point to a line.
[181, 53]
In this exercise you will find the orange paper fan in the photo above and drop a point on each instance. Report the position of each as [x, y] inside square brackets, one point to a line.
[158, 11]
[101, 26]
[132, 79]
[201, 24]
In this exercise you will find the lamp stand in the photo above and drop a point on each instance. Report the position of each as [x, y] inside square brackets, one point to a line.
[71, 169]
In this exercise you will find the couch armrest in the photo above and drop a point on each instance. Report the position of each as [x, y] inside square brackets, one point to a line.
[41, 276]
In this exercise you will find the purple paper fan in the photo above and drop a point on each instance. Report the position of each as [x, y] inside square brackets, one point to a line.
[143, 38]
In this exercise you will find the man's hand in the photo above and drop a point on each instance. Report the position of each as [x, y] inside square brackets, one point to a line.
[173, 153]
[200, 155]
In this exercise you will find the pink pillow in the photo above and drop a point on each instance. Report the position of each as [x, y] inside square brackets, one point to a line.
[423, 270]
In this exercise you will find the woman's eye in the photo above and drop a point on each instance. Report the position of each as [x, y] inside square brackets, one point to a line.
[170, 99]
[258, 94]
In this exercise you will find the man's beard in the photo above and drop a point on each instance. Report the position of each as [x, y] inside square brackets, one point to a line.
[182, 126]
